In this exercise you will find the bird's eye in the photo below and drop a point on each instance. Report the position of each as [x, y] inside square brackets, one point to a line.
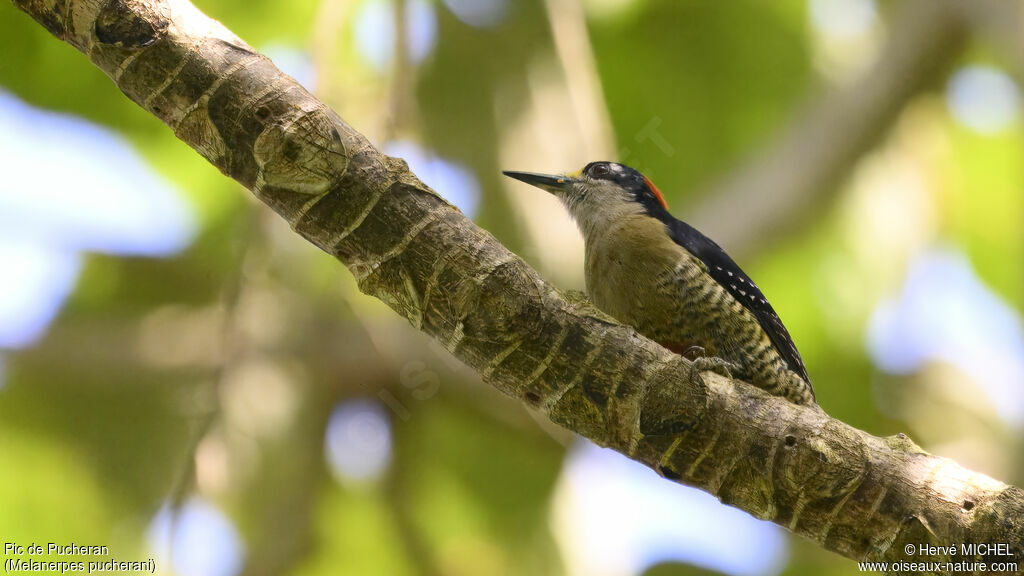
[599, 170]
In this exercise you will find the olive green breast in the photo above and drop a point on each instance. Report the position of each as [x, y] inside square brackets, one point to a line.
[623, 265]
[636, 273]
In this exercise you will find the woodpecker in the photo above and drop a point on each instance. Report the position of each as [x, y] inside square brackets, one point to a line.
[673, 284]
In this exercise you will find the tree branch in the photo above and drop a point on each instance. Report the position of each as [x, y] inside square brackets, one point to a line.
[861, 496]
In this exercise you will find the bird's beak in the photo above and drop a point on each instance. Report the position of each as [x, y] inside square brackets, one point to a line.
[550, 183]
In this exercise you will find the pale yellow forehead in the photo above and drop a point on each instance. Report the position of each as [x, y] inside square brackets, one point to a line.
[575, 174]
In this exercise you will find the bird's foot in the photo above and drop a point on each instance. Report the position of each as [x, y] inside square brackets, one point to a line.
[716, 365]
[693, 352]
[700, 363]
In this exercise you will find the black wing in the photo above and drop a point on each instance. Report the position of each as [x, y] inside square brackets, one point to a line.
[729, 275]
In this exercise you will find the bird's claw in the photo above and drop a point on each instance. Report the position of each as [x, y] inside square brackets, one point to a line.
[693, 352]
[714, 364]
[700, 363]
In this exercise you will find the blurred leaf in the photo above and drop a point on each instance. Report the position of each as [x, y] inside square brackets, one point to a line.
[688, 94]
[984, 207]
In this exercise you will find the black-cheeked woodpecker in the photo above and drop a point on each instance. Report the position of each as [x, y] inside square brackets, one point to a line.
[673, 284]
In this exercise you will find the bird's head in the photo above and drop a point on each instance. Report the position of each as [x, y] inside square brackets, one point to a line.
[600, 194]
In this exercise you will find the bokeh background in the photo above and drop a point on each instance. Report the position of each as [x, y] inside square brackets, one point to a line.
[183, 378]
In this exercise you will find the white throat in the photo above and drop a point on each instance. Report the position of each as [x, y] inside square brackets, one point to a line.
[596, 212]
